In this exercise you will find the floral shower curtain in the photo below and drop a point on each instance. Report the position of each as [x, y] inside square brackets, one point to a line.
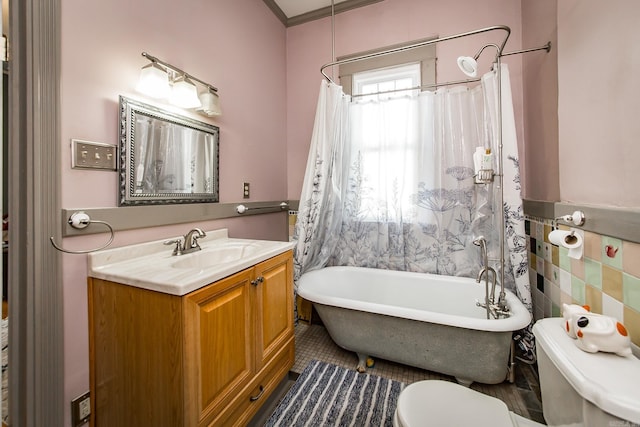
[396, 190]
[320, 210]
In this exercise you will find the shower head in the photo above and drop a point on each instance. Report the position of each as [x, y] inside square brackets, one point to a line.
[468, 65]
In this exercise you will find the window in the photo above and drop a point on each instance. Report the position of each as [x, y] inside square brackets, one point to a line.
[386, 83]
[385, 133]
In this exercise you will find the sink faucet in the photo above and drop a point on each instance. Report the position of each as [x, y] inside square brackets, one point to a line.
[190, 242]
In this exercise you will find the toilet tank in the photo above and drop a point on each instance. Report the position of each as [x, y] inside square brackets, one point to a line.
[584, 389]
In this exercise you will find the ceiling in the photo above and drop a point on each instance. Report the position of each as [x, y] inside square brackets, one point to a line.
[293, 8]
[294, 12]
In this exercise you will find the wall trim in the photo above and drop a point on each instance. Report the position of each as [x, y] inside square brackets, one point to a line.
[538, 209]
[136, 217]
[622, 223]
[316, 14]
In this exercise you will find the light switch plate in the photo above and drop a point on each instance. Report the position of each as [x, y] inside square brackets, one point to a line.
[245, 190]
[92, 155]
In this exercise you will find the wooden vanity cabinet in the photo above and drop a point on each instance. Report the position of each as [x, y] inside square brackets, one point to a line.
[208, 358]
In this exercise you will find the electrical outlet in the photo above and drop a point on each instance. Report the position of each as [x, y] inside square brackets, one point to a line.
[92, 155]
[80, 410]
[245, 190]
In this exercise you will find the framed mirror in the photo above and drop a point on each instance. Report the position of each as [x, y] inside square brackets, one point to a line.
[165, 158]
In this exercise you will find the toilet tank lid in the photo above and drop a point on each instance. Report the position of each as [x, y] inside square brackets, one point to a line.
[607, 380]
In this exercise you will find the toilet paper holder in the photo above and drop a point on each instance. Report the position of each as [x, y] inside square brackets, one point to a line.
[577, 218]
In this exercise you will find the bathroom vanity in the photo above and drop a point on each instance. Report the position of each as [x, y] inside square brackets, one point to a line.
[195, 340]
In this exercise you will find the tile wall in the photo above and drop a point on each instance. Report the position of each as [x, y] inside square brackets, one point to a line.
[607, 277]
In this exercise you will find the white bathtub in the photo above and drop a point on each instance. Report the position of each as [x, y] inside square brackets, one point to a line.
[423, 320]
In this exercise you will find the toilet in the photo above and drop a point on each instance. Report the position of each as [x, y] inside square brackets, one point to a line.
[577, 388]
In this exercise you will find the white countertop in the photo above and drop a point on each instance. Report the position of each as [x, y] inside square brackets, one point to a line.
[152, 266]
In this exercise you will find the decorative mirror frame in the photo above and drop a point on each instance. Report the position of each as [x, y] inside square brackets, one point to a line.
[128, 195]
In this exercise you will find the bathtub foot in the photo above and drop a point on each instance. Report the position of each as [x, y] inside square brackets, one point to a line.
[462, 381]
[364, 362]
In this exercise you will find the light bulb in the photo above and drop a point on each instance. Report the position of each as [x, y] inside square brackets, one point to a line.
[210, 103]
[184, 94]
[153, 81]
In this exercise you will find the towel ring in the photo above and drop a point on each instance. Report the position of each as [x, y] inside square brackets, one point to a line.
[80, 220]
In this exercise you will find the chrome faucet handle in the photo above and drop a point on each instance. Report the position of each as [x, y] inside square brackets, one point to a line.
[178, 248]
[194, 241]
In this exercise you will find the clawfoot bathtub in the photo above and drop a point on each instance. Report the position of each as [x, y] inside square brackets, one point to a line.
[422, 320]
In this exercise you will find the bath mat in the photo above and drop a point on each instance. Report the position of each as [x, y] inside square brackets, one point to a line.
[328, 395]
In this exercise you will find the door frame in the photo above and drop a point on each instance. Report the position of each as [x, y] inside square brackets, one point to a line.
[36, 349]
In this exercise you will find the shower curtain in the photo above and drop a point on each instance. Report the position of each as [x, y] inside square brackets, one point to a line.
[389, 184]
[320, 211]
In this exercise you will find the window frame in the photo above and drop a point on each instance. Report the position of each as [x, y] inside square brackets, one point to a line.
[425, 55]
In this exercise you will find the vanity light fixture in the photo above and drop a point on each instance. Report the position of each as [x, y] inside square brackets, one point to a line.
[159, 79]
[210, 103]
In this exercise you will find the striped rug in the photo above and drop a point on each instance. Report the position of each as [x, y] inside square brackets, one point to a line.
[328, 395]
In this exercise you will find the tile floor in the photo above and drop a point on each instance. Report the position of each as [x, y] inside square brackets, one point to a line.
[522, 397]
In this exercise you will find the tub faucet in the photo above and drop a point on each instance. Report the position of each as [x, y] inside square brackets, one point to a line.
[489, 295]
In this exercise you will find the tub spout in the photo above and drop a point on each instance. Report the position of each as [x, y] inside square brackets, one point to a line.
[485, 271]
[489, 292]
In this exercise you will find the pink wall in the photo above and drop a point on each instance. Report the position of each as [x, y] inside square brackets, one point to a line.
[382, 24]
[540, 90]
[239, 46]
[598, 67]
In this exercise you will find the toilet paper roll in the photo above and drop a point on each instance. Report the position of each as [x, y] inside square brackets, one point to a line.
[567, 239]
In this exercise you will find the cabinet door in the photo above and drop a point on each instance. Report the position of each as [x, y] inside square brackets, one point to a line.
[274, 294]
[135, 344]
[218, 348]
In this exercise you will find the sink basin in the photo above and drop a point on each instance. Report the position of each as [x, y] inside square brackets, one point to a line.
[212, 256]
[151, 266]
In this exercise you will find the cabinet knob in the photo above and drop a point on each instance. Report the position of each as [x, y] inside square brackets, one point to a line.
[257, 281]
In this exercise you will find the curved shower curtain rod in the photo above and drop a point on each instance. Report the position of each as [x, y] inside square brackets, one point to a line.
[499, 53]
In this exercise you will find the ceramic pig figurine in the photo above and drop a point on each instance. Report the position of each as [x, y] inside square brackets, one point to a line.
[596, 332]
[569, 312]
